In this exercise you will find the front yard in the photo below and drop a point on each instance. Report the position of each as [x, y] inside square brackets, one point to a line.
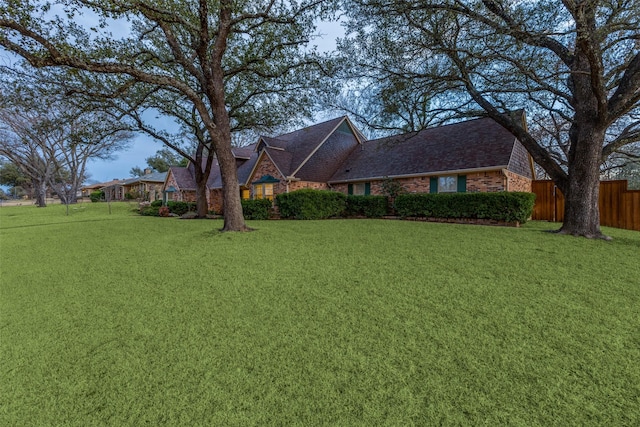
[120, 319]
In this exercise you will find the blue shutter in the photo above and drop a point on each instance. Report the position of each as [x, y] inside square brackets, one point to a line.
[350, 188]
[367, 188]
[433, 184]
[462, 183]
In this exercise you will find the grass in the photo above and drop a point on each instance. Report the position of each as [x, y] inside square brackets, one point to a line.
[118, 319]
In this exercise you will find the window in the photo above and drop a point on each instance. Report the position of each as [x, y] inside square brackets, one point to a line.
[263, 191]
[447, 184]
[359, 189]
[245, 194]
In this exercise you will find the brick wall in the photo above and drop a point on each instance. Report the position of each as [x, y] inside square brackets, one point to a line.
[518, 182]
[215, 201]
[486, 182]
[266, 167]
[476, 182]
[299, 185]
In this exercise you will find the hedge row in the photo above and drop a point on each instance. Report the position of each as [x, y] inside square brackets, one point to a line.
[369, 206]
[500, 206]
[311, 204]
[256, 209]
[321, 204]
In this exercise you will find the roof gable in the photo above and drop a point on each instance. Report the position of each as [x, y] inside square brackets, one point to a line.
[312, 153]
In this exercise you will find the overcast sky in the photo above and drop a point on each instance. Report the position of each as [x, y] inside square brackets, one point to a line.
[143, 146]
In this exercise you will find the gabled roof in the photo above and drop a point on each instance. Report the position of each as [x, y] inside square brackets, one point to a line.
[312, 153]
[474, 144]
[184, 177]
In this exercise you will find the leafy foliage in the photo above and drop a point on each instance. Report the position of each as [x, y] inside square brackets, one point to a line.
[311, 204]
[257, 209]
[499, 206]
[96, 196]
[368, 206]
[214, 67]
[180, 208]
[161, 162]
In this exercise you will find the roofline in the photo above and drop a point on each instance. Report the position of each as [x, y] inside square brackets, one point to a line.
[418, 175]
[293, 174]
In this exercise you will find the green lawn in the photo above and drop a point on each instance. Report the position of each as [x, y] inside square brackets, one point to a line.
[118, 319]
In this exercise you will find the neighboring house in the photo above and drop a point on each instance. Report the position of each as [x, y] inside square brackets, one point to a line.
[475, 155]
[113, 190]
[88, 189]
[146, 187]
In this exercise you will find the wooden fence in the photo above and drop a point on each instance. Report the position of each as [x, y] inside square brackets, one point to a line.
[619, 207]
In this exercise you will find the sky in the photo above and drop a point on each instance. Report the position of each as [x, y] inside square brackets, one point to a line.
[143, 146]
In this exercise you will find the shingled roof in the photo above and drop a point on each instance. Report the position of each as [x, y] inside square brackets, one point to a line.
[478, 144]
[312, 153]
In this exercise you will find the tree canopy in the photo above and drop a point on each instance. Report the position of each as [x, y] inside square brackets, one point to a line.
[228, 64]
[575, 63]
[49, 138]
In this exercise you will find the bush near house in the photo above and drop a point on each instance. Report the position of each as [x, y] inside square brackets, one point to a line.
[155, 208]
[150, 210]
[311, 204]
[499, 206]
[96, 196]
[256, 209]
[181, 208]
[368, 206]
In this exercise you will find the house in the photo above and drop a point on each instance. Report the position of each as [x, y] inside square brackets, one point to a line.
[146, 187]
[113, 190]
[470, 156]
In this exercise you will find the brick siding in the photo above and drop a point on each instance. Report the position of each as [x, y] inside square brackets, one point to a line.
[484, 182]
[518, 182]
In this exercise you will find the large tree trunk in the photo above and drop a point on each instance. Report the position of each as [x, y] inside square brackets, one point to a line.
[233, 216]
[202, 207]
[581, 212]
[40, 188]
[582, 188]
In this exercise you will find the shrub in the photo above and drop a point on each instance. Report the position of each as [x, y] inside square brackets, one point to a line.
[500, 206]
[150, 211]
[369, 206]
[256, 209]
[163, 211]
[181, 208]
[156, 203]
[311, 204]
[129, 195]
[96, 196]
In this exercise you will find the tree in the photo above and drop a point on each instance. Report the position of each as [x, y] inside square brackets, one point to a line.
[227, 61]
[161, 162]
[50, 138]
[12, 177]
[576, 62]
